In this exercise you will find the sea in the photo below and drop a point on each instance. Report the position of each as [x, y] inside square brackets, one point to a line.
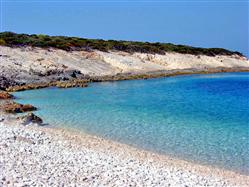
[203, 119]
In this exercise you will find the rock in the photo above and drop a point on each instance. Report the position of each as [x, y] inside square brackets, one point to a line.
[5, 95]
[1, 119]
[6, 82]
[27, 87]
[30, 118]
[74, 75]
[59, 84]
[70, 84]
[63, 79]
[18, 108]
[53, 72]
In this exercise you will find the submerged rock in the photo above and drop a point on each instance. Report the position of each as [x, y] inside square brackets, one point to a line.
[5, 95]
[30, 118]
[18, 108]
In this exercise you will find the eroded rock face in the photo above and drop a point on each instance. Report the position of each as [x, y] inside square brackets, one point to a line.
[17, 108]
[5, 83]
[5, 95]
[30, 118]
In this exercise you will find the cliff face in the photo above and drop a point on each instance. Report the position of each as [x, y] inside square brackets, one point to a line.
[27, 64]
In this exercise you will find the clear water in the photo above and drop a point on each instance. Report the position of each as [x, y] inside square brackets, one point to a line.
[200, 118]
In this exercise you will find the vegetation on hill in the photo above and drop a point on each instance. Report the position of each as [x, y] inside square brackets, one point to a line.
[73, 43]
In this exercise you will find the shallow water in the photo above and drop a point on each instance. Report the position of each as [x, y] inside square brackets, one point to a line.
[200, 118]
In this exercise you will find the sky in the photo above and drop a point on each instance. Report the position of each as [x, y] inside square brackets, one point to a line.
[200, 23]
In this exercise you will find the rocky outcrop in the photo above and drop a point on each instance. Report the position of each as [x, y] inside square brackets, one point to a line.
[5, 95]
[59, 84]
[14, 107]
[27, 87]
[30, 118]
[122, 76]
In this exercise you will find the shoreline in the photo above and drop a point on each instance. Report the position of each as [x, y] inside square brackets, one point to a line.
[79, 135]
[181, 170]
[121, 77]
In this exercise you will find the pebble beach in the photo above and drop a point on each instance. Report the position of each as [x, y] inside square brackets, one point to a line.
[32, 155]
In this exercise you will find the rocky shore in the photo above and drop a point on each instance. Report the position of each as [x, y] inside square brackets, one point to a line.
[13, 107]
[59, 84]
[5, 95]
[32, 155]
[83, 82]
[23, 68]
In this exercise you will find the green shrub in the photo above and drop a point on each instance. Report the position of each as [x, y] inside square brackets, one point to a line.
[2, 41]
[74, 43]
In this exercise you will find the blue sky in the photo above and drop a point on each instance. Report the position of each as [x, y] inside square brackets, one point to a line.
[202, 23]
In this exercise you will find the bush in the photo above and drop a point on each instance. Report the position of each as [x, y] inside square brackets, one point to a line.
[2, 42]
[74, 43]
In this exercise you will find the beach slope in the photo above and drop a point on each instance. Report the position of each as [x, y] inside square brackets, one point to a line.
[33, 155]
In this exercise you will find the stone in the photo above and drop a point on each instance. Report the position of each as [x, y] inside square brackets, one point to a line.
[27, 87]
[14, 107]
[5, 95]
[1, 119]
[30, 118]
[59, 84]
[6, 82]
[70, 84]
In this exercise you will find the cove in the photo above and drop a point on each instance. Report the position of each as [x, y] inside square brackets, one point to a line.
[199, 118]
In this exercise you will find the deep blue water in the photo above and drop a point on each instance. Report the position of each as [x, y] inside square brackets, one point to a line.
[200, 118]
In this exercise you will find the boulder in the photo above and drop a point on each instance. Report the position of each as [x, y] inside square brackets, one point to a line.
[18, 108]
[30, 118]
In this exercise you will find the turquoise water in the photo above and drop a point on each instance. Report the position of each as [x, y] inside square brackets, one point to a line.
[200, 118]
